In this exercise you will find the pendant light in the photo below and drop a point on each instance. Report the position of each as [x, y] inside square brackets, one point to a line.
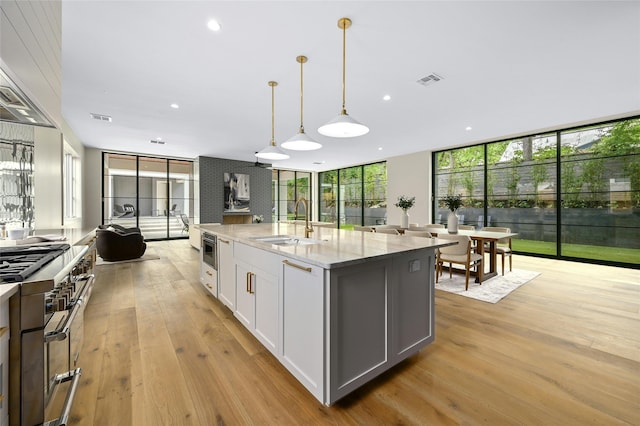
[343, 126]
[301, 141]
[272, 152]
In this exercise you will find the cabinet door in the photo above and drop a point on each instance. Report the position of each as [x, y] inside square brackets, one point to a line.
[226, 273]
[244, 300]
[303, 319]
[412, 304]
[265, 288]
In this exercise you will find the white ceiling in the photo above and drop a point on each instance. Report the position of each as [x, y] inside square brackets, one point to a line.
[509, 68]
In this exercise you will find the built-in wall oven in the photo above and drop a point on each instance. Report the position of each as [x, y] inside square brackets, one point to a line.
[209, 264]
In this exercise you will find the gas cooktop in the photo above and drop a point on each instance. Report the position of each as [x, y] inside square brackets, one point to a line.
[19, 262]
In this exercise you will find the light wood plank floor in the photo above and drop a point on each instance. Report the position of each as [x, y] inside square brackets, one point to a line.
[564, 349]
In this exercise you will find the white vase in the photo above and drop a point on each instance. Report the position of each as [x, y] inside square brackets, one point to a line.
[405, 220]
[452, 223]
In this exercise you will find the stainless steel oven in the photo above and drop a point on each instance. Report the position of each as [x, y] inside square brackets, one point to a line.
[46, 334]
[209, 250]
[209, 264]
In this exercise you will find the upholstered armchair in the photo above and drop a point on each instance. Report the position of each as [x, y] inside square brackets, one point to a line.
[114, 245]
[460, 253]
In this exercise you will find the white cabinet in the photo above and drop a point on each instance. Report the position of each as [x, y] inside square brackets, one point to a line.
[257, 292]
[303, 324]
[194, 235]
[208, 278]
[226, 273]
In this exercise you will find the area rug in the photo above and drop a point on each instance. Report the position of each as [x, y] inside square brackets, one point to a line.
[144, 257]
[492, 290]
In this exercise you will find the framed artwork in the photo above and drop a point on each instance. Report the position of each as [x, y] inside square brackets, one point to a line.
[236, 192]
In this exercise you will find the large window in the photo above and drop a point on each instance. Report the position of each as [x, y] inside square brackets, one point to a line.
[154, 194]
[354, 195]
[288, 187]
[71, 184]
[572, 193]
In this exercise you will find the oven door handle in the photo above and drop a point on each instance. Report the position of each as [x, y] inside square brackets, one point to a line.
[74, 376]
[63, 332]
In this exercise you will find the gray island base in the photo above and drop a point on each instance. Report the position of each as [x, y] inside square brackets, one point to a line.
[336, 309]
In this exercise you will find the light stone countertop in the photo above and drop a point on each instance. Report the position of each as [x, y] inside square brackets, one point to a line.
[7, 290]
[338, 247]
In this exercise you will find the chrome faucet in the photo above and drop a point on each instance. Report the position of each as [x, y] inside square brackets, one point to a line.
[307, 228]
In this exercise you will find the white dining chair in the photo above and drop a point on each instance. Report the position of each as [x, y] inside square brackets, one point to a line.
[392, 231]
[460, 253]
[503, 245]
[415, 233]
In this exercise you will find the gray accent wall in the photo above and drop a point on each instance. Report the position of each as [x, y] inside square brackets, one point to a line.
[212, 172]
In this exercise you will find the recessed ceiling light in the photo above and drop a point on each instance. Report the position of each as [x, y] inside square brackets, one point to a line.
[175, 106]
[386, 97]
[213, 25]
[467, 128]
[379, 148]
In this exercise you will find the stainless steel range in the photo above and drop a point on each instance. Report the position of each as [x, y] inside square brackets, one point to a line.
[46, 329]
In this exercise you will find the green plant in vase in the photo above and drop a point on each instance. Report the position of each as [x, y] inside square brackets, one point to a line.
[405, 203]
[453, 203]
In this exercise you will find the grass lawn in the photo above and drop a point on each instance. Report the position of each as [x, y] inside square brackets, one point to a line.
[613, 254]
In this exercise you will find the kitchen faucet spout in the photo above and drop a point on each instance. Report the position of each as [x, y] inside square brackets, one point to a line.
[308, 229]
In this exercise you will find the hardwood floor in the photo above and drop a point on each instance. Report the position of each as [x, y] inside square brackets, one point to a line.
[564, 349]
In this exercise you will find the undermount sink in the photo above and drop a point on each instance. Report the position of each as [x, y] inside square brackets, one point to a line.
[287, 240]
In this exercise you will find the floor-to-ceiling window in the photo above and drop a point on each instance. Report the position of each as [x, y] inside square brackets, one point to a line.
[354, 195]
[461, 172]
[288, 186]
[571, 193]
[154, 194]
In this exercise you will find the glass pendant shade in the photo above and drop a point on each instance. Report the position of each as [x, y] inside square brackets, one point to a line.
[272, 152]
[343, 126]
[301, 141]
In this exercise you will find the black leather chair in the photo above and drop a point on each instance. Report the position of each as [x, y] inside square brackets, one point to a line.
[120, 228]
[114, 245]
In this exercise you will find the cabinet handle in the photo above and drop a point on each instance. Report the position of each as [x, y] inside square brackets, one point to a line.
[209, 286]
[223, 241]
[3, 330]
[303, 268]
[246, 287]
[209, 273]
[251, 275]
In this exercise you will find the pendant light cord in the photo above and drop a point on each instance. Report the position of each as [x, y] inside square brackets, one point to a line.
[301, 60]
[344, 66]
[273, 84]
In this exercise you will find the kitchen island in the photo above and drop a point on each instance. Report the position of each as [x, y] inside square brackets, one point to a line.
[336, 309]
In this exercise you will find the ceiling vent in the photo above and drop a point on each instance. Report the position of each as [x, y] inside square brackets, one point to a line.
[101, 117]
[430, 79]
[158, 141]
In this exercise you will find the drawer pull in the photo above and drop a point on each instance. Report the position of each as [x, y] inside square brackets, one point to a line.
[223, 241]
[303, 268]
[209, 273]
[3, 330]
